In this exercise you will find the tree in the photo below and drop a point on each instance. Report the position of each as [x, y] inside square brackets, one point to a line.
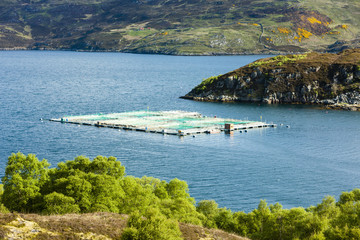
[152, 226]
[76, 187]
[178, 189]
[210, 210]
[57, 203]
[208, 207]
[244, 224]
[106, 193]
[224, 220]
[351, 196]
[136, 197]
[182, 210]
[157, 186]
[107, 166]
[24, 177]
[3, 209]
[93, 184]
[262, 217]
[327, 208]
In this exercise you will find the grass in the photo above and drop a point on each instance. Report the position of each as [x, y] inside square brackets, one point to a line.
[279, 60]
[106, 224]
[140, 33]
[25, 34]
[339, 11]
[238, 38]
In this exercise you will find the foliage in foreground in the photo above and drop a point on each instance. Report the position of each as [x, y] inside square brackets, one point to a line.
[153, 226]
[100, 185]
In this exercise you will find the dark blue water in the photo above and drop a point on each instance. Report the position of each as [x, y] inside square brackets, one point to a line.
[297, 166]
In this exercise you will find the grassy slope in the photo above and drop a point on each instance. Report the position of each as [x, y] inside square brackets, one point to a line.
[87, 226]
[178, 27]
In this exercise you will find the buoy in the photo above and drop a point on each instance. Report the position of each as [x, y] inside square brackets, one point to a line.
[240, 131]
[245, 131]
[193, 136]
[288, 126]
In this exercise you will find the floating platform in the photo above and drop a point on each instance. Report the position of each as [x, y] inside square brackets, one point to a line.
[165, 122]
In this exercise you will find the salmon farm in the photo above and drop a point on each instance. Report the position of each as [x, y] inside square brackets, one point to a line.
[164, 122]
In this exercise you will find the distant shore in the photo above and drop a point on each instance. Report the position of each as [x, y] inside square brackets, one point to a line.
[149, 52]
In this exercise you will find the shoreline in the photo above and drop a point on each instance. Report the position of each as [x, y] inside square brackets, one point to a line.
[151, 53]
[336, 106]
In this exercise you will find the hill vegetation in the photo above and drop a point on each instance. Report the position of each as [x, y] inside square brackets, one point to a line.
[153, 207]
[328, 79]
[184, 27]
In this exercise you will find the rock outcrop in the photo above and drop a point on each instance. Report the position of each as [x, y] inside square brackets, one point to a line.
[311, 78]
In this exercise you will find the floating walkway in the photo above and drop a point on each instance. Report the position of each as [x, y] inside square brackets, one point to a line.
[165, 122]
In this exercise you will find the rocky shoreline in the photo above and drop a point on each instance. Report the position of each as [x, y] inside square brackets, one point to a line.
[331, 80]
[348, 107]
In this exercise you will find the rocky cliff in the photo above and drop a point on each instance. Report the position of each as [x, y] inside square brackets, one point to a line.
[313, 78]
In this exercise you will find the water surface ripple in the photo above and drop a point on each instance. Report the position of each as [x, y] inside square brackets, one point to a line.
[297, 166]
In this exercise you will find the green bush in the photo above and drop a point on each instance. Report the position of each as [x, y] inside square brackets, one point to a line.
[23, 180]
[130, 233]
[57, 203]
[83, 185]
[152, 226]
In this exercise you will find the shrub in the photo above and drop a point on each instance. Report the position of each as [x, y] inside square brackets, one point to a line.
[152, 226]
[57, 203]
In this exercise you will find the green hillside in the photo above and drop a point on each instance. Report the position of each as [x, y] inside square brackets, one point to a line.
[186, 27]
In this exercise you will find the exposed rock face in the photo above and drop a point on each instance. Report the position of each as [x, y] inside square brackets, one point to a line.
[309, 78]
[23, 229]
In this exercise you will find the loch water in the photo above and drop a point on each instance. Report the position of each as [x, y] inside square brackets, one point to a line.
[318, 154]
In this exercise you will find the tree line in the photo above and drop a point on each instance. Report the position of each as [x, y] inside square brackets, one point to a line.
[155, 207]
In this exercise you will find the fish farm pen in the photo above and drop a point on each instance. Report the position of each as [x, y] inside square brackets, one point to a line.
[165, 122]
